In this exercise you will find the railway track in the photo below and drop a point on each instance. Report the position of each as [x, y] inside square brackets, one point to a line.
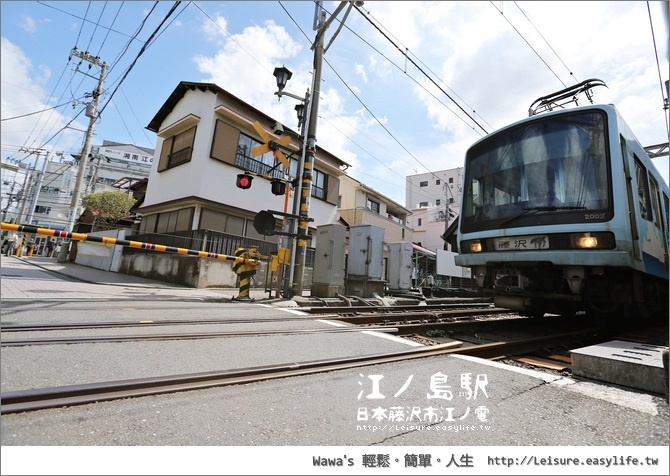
[180, 336]
[471, 325]
[399, 323]
[43, 398]
[402, 324]
[371, 316]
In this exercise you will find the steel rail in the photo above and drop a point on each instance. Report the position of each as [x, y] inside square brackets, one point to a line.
[346, 317]
[401, 329]
[43, 398]
[417, 315]
[145, 323]
[181, 336]
[395, 308]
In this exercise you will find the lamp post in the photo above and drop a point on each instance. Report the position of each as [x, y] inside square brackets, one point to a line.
[309, 137]
[283, 74]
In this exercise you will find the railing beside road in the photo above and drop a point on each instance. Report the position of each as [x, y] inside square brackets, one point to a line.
[210, 241]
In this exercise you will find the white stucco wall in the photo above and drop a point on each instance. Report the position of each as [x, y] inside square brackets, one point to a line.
[214, 180]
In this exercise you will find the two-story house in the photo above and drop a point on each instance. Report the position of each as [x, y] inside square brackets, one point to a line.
[205, 138]
[362, 205]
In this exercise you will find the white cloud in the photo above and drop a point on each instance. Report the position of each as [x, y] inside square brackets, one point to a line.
[360, 70]
[28, 24]
[244, 64]
[23, 93]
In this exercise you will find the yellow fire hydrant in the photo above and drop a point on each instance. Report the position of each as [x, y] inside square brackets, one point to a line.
[246, 269]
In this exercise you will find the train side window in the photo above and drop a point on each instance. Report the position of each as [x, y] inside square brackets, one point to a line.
[666, 204]
[655, 205]
[642, 190]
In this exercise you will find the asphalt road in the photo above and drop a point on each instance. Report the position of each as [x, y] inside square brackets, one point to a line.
[401, 404]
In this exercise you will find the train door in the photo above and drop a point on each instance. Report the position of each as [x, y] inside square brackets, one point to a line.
[659, 219]
[631, 193]
[652, 235]
[666, 216]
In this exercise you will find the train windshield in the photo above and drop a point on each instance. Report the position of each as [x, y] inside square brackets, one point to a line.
[546, 171]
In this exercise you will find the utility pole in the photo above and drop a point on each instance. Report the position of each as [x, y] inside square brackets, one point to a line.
[37, 187]
[292, 224]
[92, 114]
[24, 193]
[320, 25]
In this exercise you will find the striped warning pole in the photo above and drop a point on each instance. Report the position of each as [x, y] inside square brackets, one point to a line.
[245, 270]
[133, 244]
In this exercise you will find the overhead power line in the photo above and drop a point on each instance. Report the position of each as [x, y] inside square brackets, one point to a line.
[36, 112]
[140, 53]
[404, 53]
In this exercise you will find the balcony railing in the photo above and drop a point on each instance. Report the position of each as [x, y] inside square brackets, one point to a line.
[256, 166]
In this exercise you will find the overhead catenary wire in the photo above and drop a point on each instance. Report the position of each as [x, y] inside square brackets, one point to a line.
[361, 102]
[545, 40]
[406, 54]
[658, 67]
[529, 45]
[421, 70]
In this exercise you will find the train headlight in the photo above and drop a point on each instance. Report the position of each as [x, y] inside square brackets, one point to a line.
[587, 241]
[475, 246]
[592, 241]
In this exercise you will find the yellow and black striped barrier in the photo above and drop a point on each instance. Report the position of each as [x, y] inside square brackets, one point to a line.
[133, 244]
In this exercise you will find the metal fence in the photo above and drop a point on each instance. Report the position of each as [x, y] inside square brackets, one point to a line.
[203, 240]
[210, 241]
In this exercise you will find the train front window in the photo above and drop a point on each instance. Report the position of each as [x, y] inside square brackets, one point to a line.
[550, 169]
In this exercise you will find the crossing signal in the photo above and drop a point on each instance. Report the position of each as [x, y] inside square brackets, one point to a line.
[264, 223]
[278, 187]
[244, 181]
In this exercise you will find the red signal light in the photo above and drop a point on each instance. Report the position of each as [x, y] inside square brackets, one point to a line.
[244, 181]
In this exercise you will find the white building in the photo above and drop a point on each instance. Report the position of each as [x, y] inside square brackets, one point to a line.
[112, 161]
[433, 197]
[45, 195]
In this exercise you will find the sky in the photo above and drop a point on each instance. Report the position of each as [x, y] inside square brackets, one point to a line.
[380, 107]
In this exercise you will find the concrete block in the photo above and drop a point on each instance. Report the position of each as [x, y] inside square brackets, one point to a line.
[629, 364]
[326, 290]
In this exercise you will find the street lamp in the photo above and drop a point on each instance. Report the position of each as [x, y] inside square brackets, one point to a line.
[300, 111]
[282, 74]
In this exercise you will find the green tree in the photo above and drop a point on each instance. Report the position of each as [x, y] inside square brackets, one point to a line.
[108, 207]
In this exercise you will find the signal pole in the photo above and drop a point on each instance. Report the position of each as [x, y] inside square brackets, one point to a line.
[92, 114]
